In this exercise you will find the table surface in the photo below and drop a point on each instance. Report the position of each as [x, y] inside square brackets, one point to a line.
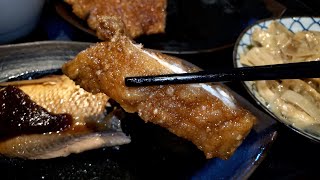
[291, 156]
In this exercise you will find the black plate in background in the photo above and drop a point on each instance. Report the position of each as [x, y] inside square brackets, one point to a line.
[196, 26]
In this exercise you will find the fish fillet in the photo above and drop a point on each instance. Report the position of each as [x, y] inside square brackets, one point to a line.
[206, 114]
[93, 127]
[138, 16]
[61, 95]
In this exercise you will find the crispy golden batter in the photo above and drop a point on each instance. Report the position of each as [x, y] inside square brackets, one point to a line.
[205, 114]
[139, 16]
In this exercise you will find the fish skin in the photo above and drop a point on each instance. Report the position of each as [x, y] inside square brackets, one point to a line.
[63, 96]
[47, 146]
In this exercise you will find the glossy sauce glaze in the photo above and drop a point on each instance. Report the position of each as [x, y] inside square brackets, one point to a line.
[20, 115]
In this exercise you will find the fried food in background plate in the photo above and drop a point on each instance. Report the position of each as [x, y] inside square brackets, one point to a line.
[138, 16]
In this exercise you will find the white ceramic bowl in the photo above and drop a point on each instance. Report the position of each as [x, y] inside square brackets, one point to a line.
[18, 18]
[294, 24]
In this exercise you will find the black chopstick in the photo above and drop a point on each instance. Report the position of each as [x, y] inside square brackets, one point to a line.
[269, 72]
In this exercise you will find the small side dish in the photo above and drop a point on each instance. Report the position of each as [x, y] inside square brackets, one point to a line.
[294, 102]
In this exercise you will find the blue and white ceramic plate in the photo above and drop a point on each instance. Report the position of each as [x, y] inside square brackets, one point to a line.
[154, 153]
[294, 24]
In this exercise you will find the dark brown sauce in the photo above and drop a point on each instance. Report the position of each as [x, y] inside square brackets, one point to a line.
[20, 115]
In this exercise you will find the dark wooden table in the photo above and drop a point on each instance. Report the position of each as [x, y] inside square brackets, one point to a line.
[291, 156]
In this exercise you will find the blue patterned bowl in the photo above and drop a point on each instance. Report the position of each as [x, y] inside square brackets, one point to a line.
[294, 24]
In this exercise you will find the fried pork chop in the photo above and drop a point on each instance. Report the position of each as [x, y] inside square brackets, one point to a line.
[138, 16]
[206, 114]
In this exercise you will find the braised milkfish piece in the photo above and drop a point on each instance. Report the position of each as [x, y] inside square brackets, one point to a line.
[86, 125]
[206, 114]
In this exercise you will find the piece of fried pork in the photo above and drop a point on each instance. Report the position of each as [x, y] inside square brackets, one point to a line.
[139, 16]
[206, 114]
